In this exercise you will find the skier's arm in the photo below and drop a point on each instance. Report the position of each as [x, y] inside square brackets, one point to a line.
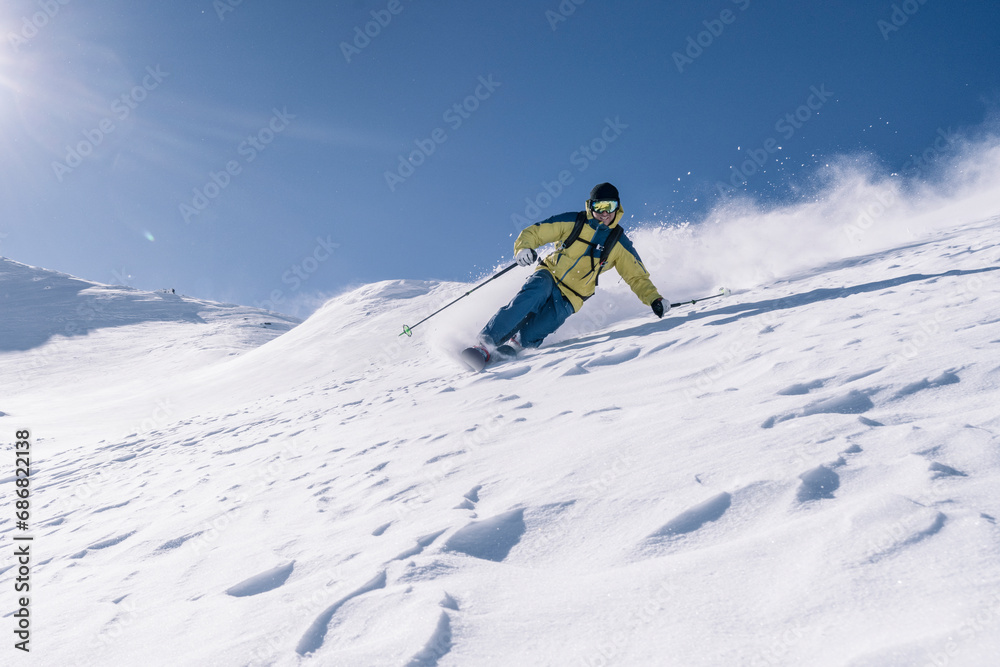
[550, 230]
[626, 261]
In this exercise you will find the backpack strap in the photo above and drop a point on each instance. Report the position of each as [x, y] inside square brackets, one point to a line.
[609, 244]
[581, 220]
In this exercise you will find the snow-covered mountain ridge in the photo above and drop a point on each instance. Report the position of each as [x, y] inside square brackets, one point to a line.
[66, 341]
[803, 473]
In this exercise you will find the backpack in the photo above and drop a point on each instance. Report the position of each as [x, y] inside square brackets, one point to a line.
[609, 243]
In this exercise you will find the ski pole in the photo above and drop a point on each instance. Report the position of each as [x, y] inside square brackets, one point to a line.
[722, 292]
[408, 330]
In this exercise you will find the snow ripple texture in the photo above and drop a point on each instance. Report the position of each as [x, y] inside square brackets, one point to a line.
[804, 473]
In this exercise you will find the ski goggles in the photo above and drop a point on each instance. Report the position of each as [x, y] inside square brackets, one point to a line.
[603, 205]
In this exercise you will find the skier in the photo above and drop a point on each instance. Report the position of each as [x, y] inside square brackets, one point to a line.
[589, 242]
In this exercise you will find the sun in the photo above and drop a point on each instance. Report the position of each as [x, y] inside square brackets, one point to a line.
[9, 84]
[6, 67]
[11, 65]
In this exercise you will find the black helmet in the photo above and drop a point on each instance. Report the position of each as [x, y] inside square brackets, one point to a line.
[604, 191]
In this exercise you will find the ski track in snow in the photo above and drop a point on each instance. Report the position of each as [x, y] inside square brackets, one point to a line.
[414, 514]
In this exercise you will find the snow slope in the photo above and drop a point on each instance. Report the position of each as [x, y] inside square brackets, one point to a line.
[804, 473]
[78, 346]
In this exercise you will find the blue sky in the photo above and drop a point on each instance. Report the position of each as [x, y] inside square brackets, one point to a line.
[272, 153]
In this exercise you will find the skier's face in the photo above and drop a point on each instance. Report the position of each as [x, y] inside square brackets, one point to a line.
[603, 209]
[604, 218]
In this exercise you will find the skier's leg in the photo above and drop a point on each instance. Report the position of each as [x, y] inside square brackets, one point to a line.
[548, 319]
[533, 295]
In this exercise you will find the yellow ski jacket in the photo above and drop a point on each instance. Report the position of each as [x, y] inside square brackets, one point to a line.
[577, 267]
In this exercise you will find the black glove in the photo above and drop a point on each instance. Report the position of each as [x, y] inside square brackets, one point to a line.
[660, 307]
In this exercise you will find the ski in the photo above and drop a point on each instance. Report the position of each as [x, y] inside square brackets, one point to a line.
[505, 352]
[478, 358]
[475, 358]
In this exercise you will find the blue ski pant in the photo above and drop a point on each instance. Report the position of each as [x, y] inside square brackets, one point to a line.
[535, 311]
